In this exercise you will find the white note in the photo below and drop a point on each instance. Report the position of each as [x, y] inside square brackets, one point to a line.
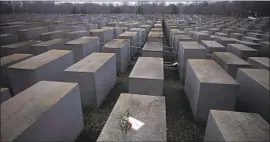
[135, 123]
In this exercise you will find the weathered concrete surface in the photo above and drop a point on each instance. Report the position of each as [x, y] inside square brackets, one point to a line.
[264, 50]
[152, 49]
[249, 44]
[26, 73]
[147, 76]
[242, 51]
[20, 47]
[224, 40]
[121, 48]
[255, 98]
[83, 47]
[133, 38]
[155, 36]
[208, 86]
[230, 62]
[31, 34]
[52, 35]
[235, 126]
[6, 39]
[150, 110]
[4, 95]
[47, 45]
[96, 75]
[189, 50]
[76, 34]
[7, 61]
[212, 46]
[259, 62]
[105, 35]
[47, 111]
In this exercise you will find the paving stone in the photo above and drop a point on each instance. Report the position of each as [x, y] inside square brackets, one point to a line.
[28, 72]
[152, 49]
[230, 62]
[147, 76]
[188, 50]
[148, 109]
[235, 126]
[259, 62]
[83, 47]
[242, 51]
[207, 87]
[256, 98]
[121, 48]
[47, 111]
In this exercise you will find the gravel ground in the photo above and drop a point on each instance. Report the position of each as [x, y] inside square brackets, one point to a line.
[180, 123]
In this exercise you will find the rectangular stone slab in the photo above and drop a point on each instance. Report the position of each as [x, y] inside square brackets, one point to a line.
[259, 62]
[133, 38]
[6, 39]
[31, 34]
[256, 98]
[155, 36]
[151, 110]
[121, 48]
[20, 47]
[47, 45]
[198, 36]
[26, 73]
[208, 86]
[83, 47]
[52, 35]
[242, 51]
[253, 45]
[152, 49]
[96, 75]
[188, 50]
[235, 126]
[230, 62]
[4, 94]
[105, 35]
[264, 50]
[224, 40]
[212, 46]
[47, 111]
[7, 61]
[147, 76]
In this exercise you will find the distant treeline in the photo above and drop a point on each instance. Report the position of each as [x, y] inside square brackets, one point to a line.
[233, 8]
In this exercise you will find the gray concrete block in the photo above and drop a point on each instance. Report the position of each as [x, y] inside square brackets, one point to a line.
[90, 26]
[52, 35]
[254, 91]
[264, 50]
[236, 36]
[7, 61]
[230, 62]
[83, 47]
[212, 46]
[179, 38]
[198, 36]
[189, 50]
[208, 86]
[6, 39]
[47, 45]
[96, 75]
[139, 108]
[152, 49]
[11, 29]
[251, 39]
[242, 51]
[47, 111]
[4, 94]
[76, 34]
[224, 40]
[20, 47]
[26, 73]
[147, 76]
[249, 44]
[133, 38]
[31, 34]
[121, 48]
[235, 126]
[155, 36]
[259, 62]
[141, 35]
[105, 35]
